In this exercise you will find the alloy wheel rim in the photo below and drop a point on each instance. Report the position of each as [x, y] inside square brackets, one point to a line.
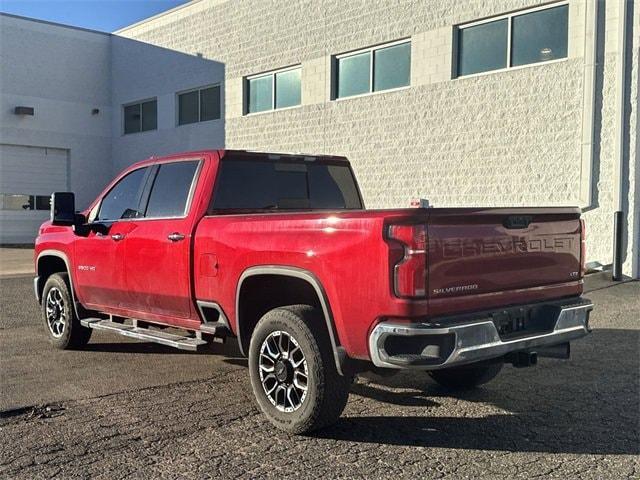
[283, 371]
[56, 316]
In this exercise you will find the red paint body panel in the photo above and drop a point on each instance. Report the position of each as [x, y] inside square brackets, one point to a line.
[475, 262]
[147, 276]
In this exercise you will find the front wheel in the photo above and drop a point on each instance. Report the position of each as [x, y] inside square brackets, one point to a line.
[60, 321]
[293, 372]
[468, 376]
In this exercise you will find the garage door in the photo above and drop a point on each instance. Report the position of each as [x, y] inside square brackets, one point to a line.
[28, 176]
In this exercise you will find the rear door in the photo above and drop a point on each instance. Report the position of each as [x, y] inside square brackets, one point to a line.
[493, 251]
[158, 247]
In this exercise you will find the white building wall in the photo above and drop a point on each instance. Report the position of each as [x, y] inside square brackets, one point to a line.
[141, 71]
[64, 74]
[632, 262]
[503, 138]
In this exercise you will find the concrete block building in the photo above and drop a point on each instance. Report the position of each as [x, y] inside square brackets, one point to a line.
[465, 103]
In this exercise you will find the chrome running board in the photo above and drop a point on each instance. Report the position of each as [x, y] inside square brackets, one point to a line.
[146, 334]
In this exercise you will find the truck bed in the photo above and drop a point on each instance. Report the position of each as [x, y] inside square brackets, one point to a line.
[476, 260]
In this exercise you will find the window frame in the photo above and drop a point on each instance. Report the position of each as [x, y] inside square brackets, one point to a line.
[335, 78]
[192, 188]
[139, 102]
[272, 74]
[199, 90]
[143, 200]
[509, 17]
[95, 211]
[213, 212]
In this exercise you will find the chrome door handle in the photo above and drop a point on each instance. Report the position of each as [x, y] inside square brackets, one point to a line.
[175, 237]
[117, 236]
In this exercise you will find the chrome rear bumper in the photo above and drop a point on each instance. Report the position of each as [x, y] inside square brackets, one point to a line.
[462, 343]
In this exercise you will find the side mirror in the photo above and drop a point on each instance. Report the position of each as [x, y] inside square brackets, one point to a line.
[63, 208]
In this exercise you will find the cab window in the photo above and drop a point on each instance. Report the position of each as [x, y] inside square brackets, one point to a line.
[171, 189]
[123, 200]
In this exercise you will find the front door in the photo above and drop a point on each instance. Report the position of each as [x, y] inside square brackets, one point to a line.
[158, 248]
[100, 276]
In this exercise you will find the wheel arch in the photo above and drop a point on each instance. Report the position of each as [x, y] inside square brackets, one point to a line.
[49, 262]
[245, 326]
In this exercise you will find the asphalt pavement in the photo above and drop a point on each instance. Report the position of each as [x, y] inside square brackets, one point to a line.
[121, 408]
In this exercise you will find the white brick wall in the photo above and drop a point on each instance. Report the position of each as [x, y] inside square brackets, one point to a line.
[504, 138]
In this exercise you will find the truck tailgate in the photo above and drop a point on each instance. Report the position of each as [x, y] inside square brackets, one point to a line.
[490, 252]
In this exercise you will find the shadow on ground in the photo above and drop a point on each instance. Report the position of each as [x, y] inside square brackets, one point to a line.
[589, 404]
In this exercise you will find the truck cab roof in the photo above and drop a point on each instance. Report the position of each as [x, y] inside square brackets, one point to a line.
[231, 154]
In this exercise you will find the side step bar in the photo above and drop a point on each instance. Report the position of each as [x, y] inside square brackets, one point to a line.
[145, 334]
[219, 329]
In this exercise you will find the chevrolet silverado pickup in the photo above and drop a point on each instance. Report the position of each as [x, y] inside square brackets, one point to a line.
[278, 252]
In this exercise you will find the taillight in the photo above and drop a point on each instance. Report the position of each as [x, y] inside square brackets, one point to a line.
[583, 249]
[410, 271]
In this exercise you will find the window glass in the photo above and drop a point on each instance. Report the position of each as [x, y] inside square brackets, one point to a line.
[188, 108]
[13, 201]
[210, 103]
[256, 185]
[333, 186]
[392, 67]
[483, 47]
[260, 94]
[354, 74]
[288, 88]
[43, 202]
[171, 189]
[539, 36]
[132, 118]
[149, 115]
[122, 201]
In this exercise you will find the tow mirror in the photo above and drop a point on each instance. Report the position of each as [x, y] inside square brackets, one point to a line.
[63, 208]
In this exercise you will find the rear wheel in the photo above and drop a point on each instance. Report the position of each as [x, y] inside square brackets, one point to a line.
[468, 376]
[60, 321]
[293, 373]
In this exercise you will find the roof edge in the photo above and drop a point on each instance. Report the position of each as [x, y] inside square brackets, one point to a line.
[157, 16]
[54, 24]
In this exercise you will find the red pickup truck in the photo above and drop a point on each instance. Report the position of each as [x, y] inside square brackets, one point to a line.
[278, 251]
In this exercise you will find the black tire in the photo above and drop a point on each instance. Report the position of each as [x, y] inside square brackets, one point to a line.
[326, 390]
[56, 296]
[468, 376]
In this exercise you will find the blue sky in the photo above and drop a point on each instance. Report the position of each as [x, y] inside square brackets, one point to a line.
[103, 15]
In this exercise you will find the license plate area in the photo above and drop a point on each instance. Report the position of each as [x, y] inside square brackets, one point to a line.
[524, 321]
[511, 322]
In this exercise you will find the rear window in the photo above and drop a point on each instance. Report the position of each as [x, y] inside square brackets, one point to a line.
[264, 185]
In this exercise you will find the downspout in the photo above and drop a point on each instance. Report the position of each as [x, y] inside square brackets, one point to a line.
[618, 185]
[589, 105]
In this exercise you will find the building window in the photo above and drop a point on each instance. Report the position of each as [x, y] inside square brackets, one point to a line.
[23, 201]
[374, 69]
[534, 36]
[273, 90]
[200, 105]
[141, 116]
